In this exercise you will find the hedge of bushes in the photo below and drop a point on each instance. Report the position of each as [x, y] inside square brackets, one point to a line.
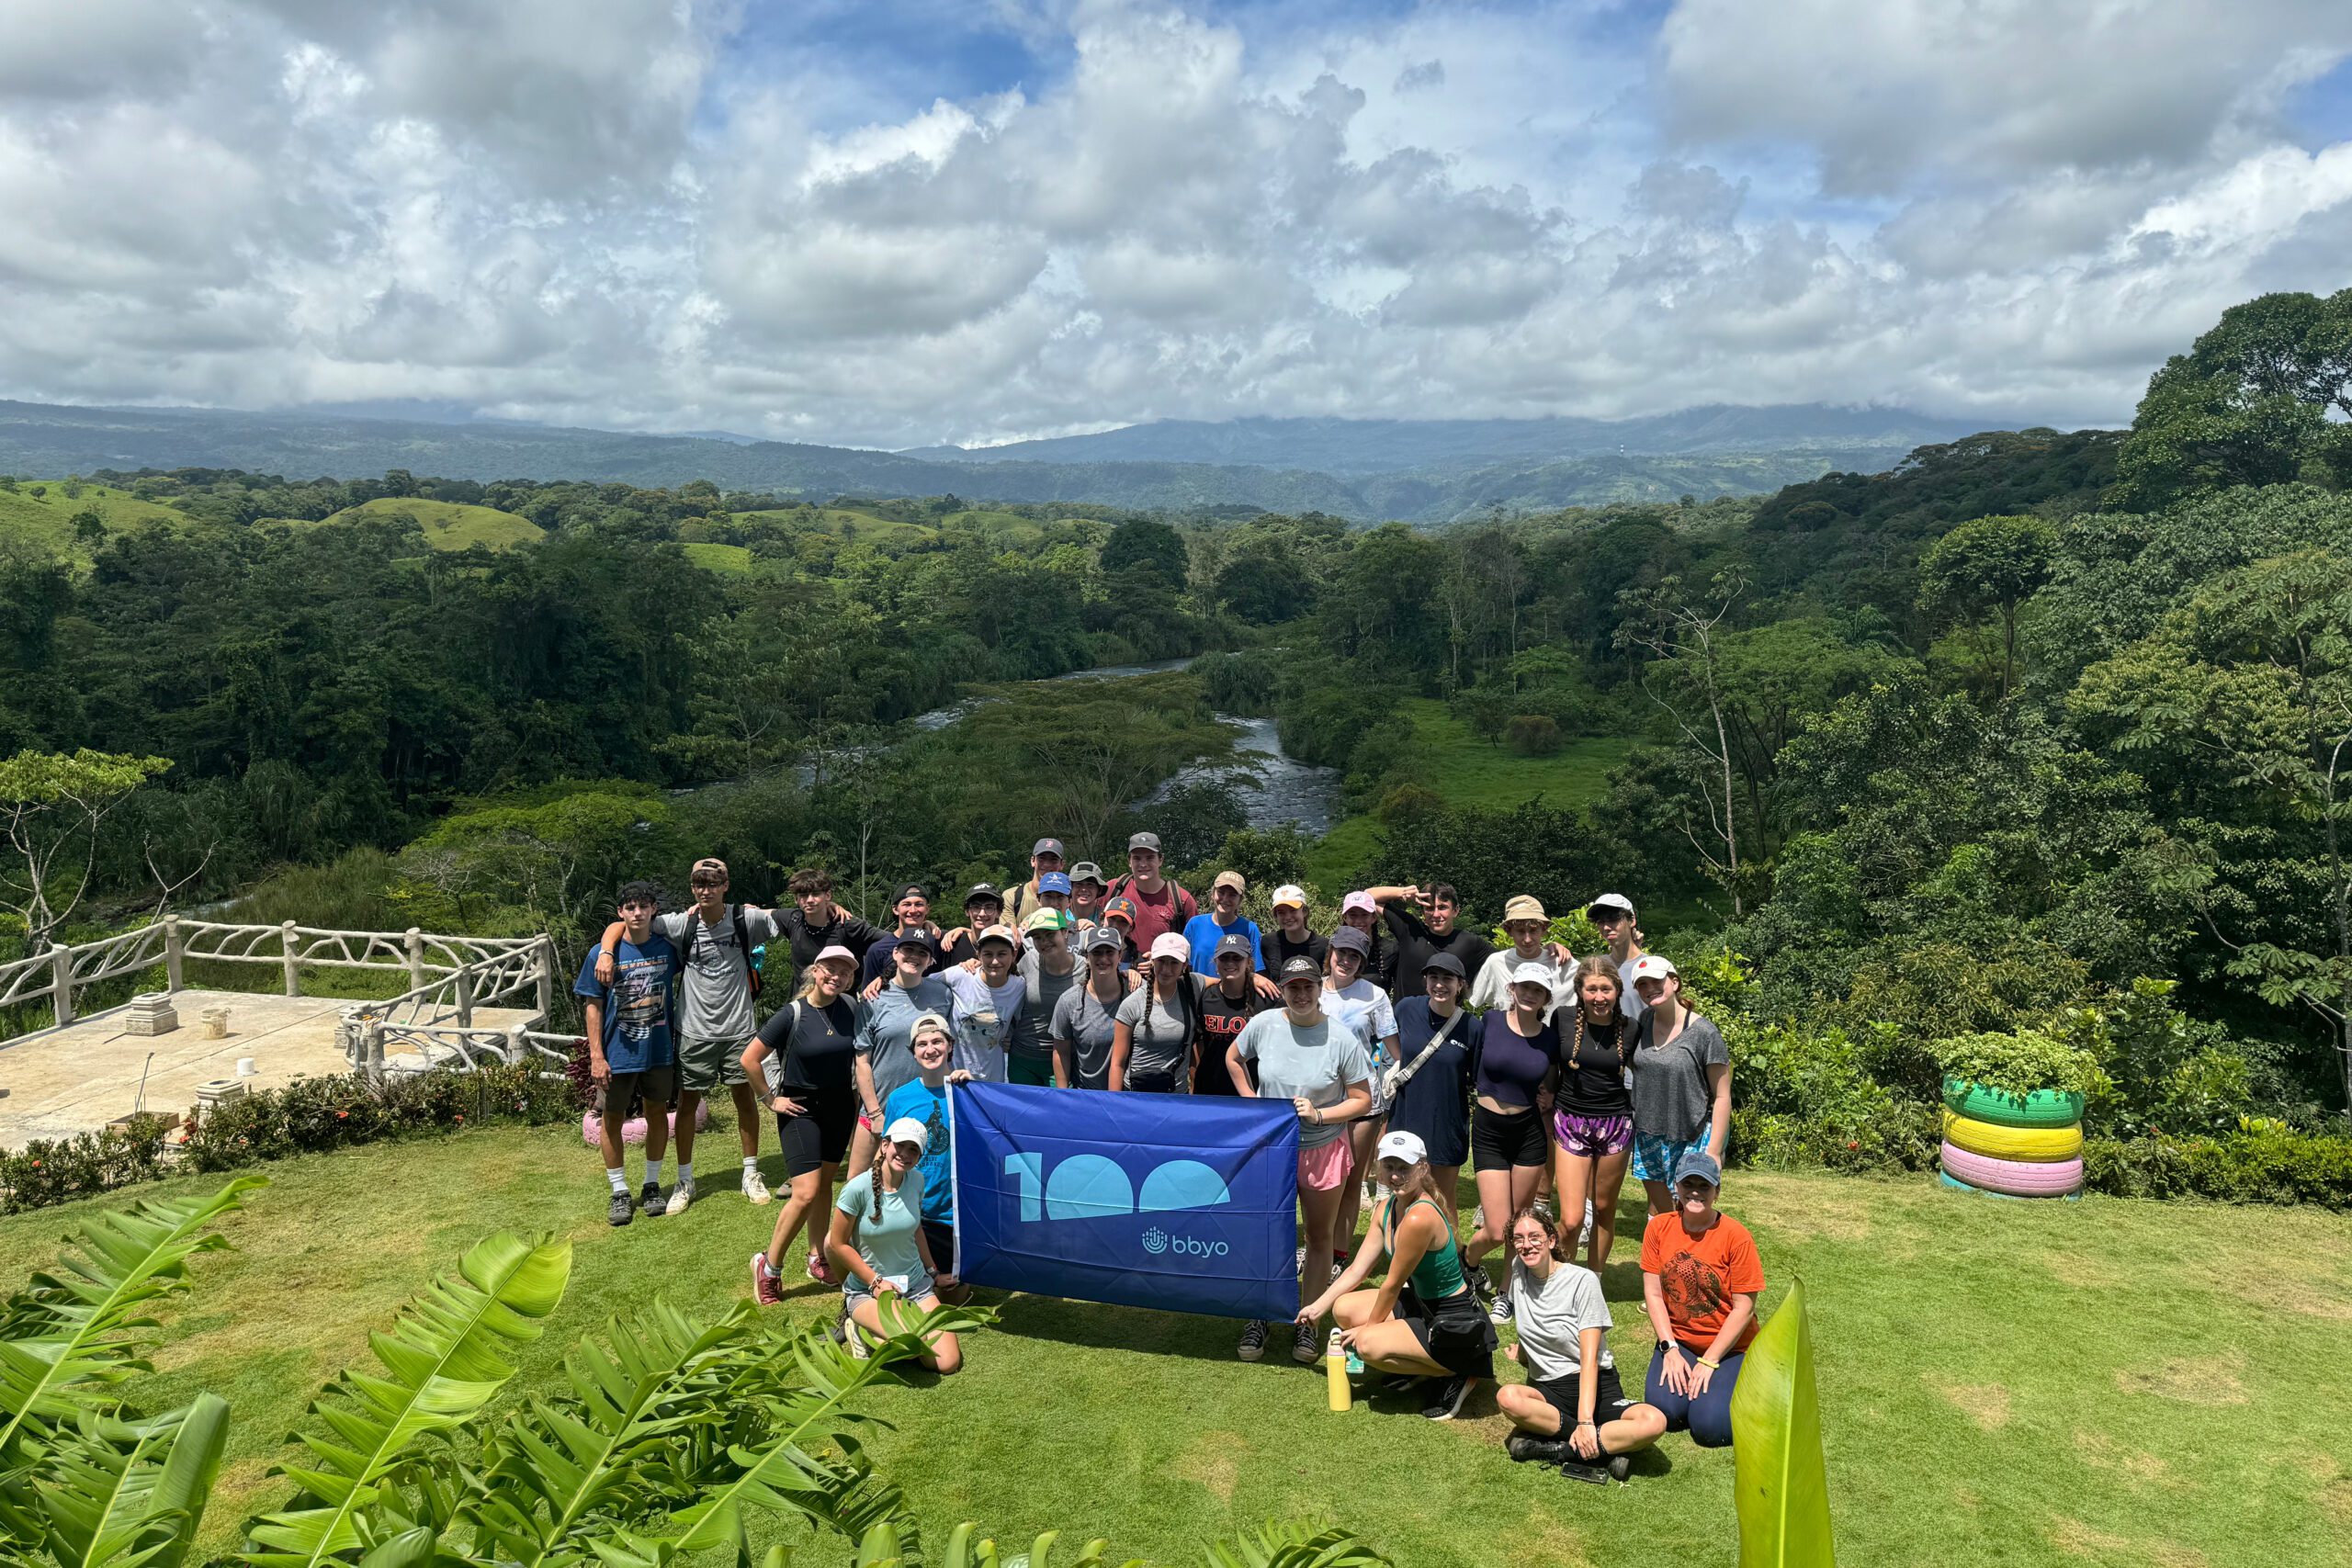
[307, 1116]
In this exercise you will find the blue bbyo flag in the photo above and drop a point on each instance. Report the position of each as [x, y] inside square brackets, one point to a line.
[1144, 1199]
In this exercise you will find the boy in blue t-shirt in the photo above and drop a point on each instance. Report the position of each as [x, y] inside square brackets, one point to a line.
[631, 1049]
[925, 1100]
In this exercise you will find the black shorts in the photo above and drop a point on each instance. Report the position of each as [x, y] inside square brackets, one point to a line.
[1499, 1142]
[941, 1239]
[819, 1136]
[1609, 1401]
[1454, 1333]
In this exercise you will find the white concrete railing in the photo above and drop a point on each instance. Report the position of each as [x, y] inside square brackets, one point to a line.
[368, 1040]
[448, 975]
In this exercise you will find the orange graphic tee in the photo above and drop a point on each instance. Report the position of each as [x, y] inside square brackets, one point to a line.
[1701, 1274]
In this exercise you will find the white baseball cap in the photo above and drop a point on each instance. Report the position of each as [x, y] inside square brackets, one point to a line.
[1532, 974]
[1406, 1147]
[1612, 901]
[907, 1130]
[1292, 894]
[1652, 966]
[1168, 944]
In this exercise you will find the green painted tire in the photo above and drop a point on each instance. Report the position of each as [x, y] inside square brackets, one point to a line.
[2042, 1108]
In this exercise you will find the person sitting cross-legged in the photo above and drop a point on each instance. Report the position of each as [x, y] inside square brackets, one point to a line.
[1571, 1411]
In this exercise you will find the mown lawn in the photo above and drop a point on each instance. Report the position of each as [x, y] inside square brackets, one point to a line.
[2109, 1382]
[451, 524]
[1467, 771]
[48, 517]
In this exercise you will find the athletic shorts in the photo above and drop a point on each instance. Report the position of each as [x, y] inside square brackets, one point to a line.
[1326, 1166]
[1592, 1136]
[1656, 1157]
[941, 1235]
[705, 1065]
[1037, 1071]
[916, 1287]
[819, 1134]
[1499, 1142]
[657, 1084]
[1454, 1333]
[1609, 1401]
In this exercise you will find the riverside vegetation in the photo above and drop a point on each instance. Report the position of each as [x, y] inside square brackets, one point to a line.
[2038, 736]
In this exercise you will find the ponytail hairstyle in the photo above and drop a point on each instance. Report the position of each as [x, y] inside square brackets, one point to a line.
[1600, 965]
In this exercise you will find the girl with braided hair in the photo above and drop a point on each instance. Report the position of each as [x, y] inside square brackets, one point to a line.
[1592, 1113]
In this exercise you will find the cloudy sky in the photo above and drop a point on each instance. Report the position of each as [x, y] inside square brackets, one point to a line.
[889, 222]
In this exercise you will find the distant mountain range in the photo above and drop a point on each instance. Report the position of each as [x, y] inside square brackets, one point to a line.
[1420, 470]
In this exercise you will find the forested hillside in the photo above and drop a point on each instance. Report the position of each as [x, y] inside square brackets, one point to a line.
[2034, 729]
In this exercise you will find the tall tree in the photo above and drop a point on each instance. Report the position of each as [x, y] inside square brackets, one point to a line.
[53, 806]
[1989, 564]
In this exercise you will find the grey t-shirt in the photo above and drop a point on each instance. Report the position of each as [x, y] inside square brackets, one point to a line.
[1316, 1063]
[886, 1027]
[1163, 1034]
[1671, 1099]
[1041, 989]
[1550, 1315]
[1084, 1021]
[715, 997]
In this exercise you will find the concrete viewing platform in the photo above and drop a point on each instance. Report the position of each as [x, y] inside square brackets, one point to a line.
[79, 1077]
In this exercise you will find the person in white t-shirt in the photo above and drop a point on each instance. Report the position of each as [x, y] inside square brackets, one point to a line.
[1571, 1411]
[987, 1001]
[1364, 1010]
[1526, 924]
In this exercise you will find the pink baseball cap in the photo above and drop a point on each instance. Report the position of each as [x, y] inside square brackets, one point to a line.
[837, 952]
[1359, 900]
[1168, 944]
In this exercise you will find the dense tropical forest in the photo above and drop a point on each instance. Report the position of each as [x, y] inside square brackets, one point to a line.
[2038, 734]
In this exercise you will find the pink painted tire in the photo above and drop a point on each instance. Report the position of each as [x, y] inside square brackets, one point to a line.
[591, 1126]
[2018, 1179]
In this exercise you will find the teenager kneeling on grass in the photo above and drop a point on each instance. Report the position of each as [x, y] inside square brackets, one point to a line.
[878, 1242]
[1301, 1056]
[1572, 1410]
[804, 1058]
[1422, 1321]
[1700, 1281]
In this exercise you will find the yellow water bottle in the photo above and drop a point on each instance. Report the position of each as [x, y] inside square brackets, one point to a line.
[1335, 1371]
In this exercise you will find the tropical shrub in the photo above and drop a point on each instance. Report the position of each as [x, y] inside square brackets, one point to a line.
[2262, 1163]
[311, 1115]
[2020, 1061]
[58, 1170]
[671, 1432]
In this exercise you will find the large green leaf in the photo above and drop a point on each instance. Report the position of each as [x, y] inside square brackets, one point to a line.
[1279, 1545]
[1782, 1488]
[67, 1340]
[567, 1466]
[442, 1366]
[109, 1493]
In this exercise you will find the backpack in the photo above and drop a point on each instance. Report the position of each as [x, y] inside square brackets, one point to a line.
[743, 945]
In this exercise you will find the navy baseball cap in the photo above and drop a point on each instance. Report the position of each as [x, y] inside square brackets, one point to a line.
[1236, 942]
[1346, 939]
[1701, 1164]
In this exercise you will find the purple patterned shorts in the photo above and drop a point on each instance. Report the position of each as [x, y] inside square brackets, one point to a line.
[1592, 1136]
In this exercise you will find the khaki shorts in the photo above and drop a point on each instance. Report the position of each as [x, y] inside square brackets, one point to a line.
[705, 1065]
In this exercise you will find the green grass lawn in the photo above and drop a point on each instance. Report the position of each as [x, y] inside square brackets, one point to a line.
[47, 517]
[734, 560]
[452, 525]
[2109, 1383]
[1470, 771]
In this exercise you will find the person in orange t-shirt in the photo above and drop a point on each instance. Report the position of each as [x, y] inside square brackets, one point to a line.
[1700, 1281]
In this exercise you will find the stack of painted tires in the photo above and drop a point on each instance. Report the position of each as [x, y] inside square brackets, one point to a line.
[2014, 1145]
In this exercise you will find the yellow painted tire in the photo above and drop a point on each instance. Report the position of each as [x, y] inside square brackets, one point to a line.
[2036, 1145]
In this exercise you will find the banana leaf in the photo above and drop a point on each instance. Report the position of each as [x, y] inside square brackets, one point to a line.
[1782, 1488]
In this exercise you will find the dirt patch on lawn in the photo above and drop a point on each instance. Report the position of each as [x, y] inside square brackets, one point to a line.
[2103, 1452]
[1209, 1463]
[2190, 1380]
[1820, 1211]
[1539, 1536]
[2078, 1539]
[1987, 1404]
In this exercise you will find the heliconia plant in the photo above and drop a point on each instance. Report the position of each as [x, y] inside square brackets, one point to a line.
[1782, 1481]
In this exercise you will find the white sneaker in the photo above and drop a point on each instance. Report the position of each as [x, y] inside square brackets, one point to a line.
[855, 1341]
[680, 1196]
[755, 1189]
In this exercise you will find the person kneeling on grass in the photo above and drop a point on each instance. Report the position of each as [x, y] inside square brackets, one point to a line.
[1700, 1281]
[1422, 1321]
[878, 1242]
[925, 1100]
[1571, 1411]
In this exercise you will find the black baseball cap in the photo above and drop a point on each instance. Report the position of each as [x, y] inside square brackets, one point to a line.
[1349, 940]
[983, 893]
[914, 888]
[1442, 962]
[915, 936]
[1236, 942]
[1300, 968]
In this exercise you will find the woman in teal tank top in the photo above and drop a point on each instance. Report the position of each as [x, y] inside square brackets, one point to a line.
[1421, 1319]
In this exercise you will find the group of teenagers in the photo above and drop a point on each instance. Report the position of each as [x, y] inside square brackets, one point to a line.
[1406, 1043]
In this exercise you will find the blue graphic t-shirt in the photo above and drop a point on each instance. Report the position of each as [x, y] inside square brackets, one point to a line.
[641, 1005]
[929, 1106]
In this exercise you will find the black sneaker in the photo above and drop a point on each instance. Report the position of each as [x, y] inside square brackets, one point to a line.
[1482, 1286]
[622, 1211]
[1620, 1466]
[1253, 1340]
[650, 1199]
[1530, 1448]
[1448, 1398]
